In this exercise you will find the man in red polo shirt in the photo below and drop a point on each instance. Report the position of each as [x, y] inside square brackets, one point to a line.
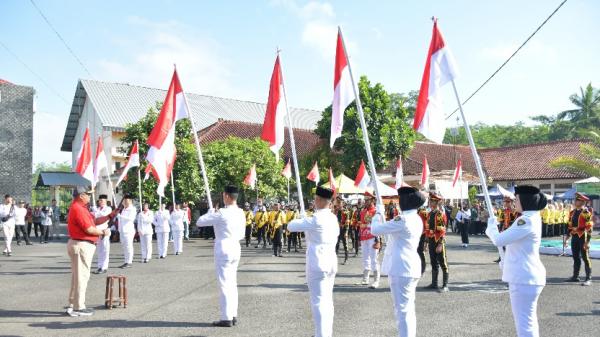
[81, 246]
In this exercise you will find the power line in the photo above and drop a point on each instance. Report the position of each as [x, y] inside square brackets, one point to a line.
[34, 73]
[511, 56]
[61, 39]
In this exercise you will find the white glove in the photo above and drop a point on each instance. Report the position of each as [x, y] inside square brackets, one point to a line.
[380, 209]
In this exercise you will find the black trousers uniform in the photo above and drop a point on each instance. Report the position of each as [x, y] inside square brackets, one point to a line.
[292, 240]
[343, 238]
[248, 234]
[277, 241]
[262, 236]
[421, 252]
[21, 233]
[464, 231]
[438, 260]
[579, 254]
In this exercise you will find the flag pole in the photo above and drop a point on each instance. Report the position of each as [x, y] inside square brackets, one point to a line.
[363, 124]
[482, 179]
[199, 151]
[140, 187]
[173, 188]
[292, 145]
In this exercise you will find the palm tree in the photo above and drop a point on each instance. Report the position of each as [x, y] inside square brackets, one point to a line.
[590, 165]
[588, 108]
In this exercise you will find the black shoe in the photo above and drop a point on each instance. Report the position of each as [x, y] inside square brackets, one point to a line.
[161, 257]
[573, 279]
[432, 286]
[102, 271]
[234, 321]
[83, 312]
[223, 323]
[9, 254]
[29, 244]
[497, 260]
[177, 253]
[125, 265]
[18, 243]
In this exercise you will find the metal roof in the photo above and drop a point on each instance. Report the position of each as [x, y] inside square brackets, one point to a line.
[70, 179]
[118, 104]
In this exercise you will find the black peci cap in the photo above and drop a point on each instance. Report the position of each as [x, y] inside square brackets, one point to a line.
[128, 196]
[230, 189]
[410, 198]
[324, 192]
[531, 198]
[102, 196]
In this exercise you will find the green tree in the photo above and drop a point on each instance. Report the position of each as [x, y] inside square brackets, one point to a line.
[587, 111]
[591, 166]
[386, 116]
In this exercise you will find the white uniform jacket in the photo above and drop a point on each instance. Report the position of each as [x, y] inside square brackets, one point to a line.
[522, 264]
[100, 212]
[145, 222]
[7, 211]
[126, 220]
[230, 227]
[322, 231]
[401, 257]
[177, 218]
[161, 221]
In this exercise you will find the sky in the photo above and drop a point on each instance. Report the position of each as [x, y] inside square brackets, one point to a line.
[227, 49]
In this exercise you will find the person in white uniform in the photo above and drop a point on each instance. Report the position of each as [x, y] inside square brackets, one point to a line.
[7, 222]
[229, 224]
[144, 222]
[321, 231]
[126, 218]
[162, 229]
[401, 262]
[103, 245]
[521, 265]
[178, 216]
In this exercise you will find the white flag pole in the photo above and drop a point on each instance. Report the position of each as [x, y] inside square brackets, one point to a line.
[173, 188]
[293, 146]
[477, 160]
[363, 124]
[140, 187]
[199, 151]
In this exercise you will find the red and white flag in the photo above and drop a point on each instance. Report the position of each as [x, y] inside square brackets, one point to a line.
[161, 142]
[362, 179]
[457, 172]
[439, 70]
[287, 170]
[332, 182]
[425, 174]
[85, 166]
[250, 179]
[133, 161]
[313, 175]
[399, 174]
[343, 94]
[273, 131]
[100, 163]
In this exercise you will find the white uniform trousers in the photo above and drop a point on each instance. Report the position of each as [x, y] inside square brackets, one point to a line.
[162, 243]
[146, 246]
[103, 250]
[369, 255]
[178, 241]
[523, 300]
[320, 287]
[403, 293]
[9, 232]
[127, 244]
[226, 271]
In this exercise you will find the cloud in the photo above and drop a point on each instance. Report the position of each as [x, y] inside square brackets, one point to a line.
[151, 58]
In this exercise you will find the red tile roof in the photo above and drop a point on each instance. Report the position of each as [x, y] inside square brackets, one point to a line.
[306, 140]
[440, 157]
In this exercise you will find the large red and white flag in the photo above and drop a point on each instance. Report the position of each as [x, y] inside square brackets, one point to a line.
[250, 179]
[161, 142]
[100, 163]
[457, 172]
[133, 161]
[313, 175]
[399, 174]
[343, 94]
[273, 131]
[362, 179]
[85, 166]
[287, 170]
[439, 70]
[425, 174]
[332, 185]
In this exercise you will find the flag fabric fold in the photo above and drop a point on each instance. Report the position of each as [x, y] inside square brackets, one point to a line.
[133, 161]
[250, 179]
[425, 174]
[161, 142]
[313, 175]
[332, 185]
[100, 163]
[273, 131]
[440, 69]
[287, 170]
[399, 174]
[457, 172]
[362, 179]
[85, 166]
[343, 93]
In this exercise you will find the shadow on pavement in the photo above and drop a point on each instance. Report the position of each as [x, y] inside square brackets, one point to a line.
[576, 314]
[119, 323]
[30, 313]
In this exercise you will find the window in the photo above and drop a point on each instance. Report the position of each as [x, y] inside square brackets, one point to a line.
[545, 186]
[563, 186]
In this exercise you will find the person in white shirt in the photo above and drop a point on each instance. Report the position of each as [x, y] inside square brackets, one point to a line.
[20, 214]
[144, 222]
[463, 217]
[103, 245]
[401, 262]
[162, 229]
[230, 225]
[322, 231]
[178, 216]
[7, 222]
[521, 266]
[126, 217]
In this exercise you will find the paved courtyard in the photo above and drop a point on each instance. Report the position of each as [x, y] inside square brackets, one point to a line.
[178, 297]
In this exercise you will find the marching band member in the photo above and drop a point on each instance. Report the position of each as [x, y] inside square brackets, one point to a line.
[580, 230]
